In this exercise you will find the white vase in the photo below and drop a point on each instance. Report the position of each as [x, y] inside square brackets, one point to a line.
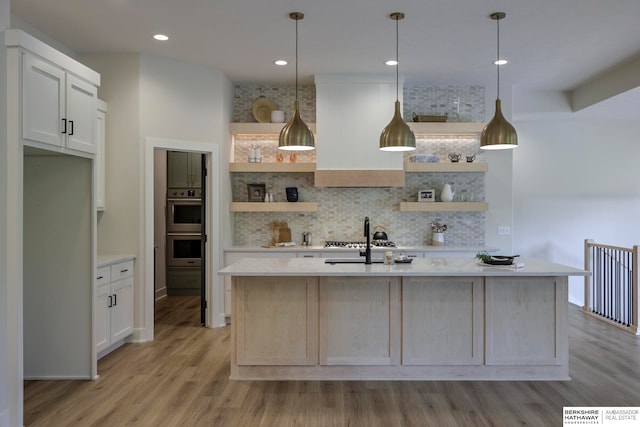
[447, 193]
[438, 239]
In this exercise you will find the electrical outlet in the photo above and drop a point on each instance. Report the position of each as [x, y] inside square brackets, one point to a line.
[504, 230]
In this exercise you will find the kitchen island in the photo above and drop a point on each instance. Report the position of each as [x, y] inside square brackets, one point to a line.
[436, 319]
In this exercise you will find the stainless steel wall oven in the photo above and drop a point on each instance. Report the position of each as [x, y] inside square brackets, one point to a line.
[184, 211]
[184, 250]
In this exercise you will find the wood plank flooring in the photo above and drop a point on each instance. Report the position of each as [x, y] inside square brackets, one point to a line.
[181, 379]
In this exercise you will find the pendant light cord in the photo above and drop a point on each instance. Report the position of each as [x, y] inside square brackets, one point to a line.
[296, 59]
[498, 58]
[397, 63]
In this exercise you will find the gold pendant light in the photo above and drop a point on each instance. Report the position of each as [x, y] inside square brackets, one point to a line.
[498, 134]
[296, 135]
[397, 135]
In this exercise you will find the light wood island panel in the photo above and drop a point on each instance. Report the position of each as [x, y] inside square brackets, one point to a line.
[303, 319]
[359, 321]
[276, 321]
[443, 321]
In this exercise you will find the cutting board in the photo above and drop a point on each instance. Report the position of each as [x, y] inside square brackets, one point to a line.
[275, 232]
[284, 234]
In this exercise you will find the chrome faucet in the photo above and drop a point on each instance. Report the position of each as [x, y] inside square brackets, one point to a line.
[367, 233]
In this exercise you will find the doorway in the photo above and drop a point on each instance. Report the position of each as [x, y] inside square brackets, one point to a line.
[180, 214]
[213, 289]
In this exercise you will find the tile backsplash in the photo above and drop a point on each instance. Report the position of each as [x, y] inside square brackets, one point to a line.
[341, 211]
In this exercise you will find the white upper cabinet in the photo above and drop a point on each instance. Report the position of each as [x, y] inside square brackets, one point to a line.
[101, 123]
[351, 112]
[43, 101]
[58, 108]
[81, 115]
[57, 93]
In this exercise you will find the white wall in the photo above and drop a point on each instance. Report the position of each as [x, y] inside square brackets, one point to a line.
[498, 182]
[4, 342]
[151, 96]
[58, 273]
[187, 102]
[572, 180]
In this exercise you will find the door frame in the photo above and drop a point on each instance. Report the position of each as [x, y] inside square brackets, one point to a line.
[214, 288]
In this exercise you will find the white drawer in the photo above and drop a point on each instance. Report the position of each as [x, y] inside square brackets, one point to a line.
[411, 254]
[310, 255]
[103, 276]
[121, 270]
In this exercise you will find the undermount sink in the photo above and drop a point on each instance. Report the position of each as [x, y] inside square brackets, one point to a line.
[351, 261]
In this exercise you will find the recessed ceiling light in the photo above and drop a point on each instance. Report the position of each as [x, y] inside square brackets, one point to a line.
[500, 62]
[391, 62]
[161, 37]
[280, 62]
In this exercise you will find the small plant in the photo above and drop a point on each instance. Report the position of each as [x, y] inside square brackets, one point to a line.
[484, 257]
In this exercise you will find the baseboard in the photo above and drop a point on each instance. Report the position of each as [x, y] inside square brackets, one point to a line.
[112, 348]
[57, 377]
[139, 335]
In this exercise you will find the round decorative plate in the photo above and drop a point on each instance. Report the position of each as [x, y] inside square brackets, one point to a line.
[262, 108]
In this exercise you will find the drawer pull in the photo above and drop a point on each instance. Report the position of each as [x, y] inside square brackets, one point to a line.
[100, 277]
[124, 271]
[307, 256]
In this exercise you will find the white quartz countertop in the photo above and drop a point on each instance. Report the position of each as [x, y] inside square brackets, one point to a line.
[113, 259]
[319, 248]
[419, 267]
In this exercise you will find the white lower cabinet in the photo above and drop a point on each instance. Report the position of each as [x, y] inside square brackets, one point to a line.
[114, 306]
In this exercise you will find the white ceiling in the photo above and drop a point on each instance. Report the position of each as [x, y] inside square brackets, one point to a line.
[551, 45]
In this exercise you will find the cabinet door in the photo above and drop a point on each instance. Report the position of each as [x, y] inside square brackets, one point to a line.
[122, 309]
[177, 169]
[276, 320]
[102, 325]
[195, 170]
[43, 101]
[101, 117]
[81, 115]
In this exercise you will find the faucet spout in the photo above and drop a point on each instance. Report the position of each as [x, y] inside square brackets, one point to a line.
[367, 234]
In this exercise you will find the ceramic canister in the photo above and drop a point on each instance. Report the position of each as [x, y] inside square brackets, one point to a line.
[277, 116]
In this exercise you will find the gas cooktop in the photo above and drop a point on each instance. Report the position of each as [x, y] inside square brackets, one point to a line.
[359, 245]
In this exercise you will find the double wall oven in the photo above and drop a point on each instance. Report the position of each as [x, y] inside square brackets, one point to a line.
[184, 241]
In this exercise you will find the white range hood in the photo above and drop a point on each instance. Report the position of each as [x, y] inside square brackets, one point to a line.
[351, 111]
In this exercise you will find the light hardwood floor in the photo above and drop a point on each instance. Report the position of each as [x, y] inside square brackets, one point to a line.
[181, 379]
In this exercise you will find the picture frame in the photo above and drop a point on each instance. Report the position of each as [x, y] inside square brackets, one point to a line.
[256, 192]
[427, 195]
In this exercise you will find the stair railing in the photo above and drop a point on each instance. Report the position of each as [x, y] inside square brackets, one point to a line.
[611, 292]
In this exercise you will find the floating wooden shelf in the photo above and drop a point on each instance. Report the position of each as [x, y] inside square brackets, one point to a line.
[260, 128]
[443, 206]
[273, 207]
[272, 167]
[446, 167]
[451, 128]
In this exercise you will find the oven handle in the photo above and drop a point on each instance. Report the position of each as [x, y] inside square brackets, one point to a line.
[184, 199]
